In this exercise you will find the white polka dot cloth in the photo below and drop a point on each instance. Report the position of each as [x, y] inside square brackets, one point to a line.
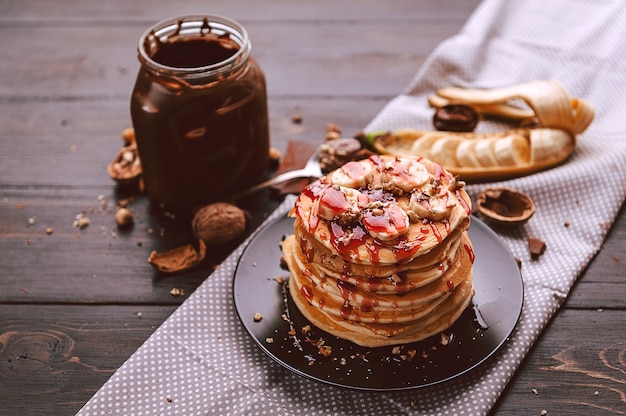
[202, 362]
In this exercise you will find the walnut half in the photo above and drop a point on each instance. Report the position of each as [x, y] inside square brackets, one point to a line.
[218, 223]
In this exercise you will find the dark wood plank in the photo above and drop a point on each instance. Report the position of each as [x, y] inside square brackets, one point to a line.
[573, 370]
[602, 284]
[343, 66]
[116, 11]
[54, 364]
[70, 143]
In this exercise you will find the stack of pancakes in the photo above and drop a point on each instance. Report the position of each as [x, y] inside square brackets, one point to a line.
[380, 253]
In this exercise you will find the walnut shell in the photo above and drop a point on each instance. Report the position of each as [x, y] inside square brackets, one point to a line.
[505, 206]
[179, 259]
[218, 223]
[126, 167]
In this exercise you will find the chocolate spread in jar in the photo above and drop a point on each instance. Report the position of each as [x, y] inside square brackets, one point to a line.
[199, 109]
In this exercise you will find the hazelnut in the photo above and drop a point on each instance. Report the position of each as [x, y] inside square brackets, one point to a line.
[123, 217]
[218, 223]
[128, 136]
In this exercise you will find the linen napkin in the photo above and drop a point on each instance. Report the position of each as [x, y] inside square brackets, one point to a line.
[202, 362]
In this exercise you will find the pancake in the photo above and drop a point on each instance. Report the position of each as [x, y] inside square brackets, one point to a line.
[380, 253]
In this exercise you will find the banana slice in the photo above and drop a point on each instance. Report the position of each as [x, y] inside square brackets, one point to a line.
[466, 154]
[443, 150]
[423, 145]
[547, 144]
[484, 152]
[512, 150]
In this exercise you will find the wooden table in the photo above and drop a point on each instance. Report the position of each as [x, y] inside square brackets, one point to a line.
[76, 303]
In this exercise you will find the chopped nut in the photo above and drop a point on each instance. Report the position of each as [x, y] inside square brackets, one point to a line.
[123, 217]
[258, 317]
[81, 221]
[177, 292]
[306, 329]
[333, 127]
[128, 136]
[179, 259]
[49, 230]
[332, 135]
[325, 350]
[544, 412]
[218, 223]
[269, 340]
[274, 156]
[535, 392]
[296, 118]
[395, 350]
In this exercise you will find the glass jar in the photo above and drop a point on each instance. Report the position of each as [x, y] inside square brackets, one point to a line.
[199, 110]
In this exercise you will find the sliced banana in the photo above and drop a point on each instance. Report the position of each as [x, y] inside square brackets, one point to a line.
[352, 175]
[444, 150]
[423, 145]
[548, 141]
[466, 153]
[484, 152]
[546, 144]
[512, 150]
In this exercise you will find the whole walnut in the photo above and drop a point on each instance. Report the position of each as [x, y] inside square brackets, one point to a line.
[218, 223]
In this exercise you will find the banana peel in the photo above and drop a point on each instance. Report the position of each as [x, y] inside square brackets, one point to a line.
[556, 119]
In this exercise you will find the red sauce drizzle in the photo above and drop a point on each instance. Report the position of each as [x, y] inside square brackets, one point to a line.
[313, 192]
[464, 203]
[335, 200]
[347, 310]
[346, 290]
[405, 250]
[376, 159]
[470, 251]
[439, 172]
[322, 303]
[450, 285]
[373, 250]
[347, 242]
[368, 303]
[308, 250]
[354, 169]
[307, 293]
[433, 226]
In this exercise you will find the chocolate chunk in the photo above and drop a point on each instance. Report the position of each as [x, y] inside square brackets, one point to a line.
[537, 247]
[456, 117]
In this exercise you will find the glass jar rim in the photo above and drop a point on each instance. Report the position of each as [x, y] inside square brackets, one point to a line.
[192, 25]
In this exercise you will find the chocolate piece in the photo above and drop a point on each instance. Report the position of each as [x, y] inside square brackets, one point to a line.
[455, 117]
[537, 247]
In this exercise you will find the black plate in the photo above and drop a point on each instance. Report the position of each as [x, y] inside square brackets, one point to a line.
[478, 334]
